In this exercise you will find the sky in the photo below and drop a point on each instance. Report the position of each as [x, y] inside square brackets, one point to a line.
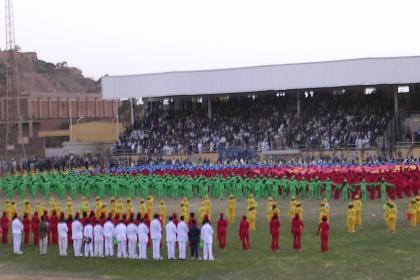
[134, 36]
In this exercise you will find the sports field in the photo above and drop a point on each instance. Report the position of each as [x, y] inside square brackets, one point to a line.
[371, 253]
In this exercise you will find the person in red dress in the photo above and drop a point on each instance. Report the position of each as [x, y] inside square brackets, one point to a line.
[34, 226]
[69, 221]
[26, 228]
[244, 233]
[221, 231]
[323, 232]
[53, 227]
[275, 232]
[297, 227]
[4, 221]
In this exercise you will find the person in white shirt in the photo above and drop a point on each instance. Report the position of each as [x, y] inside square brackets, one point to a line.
[109, 235]
[98, 238]
[121, 236]
[77, 236]
[182, 237]
[143, 232]
[170, 229]
[62, 230]
[88, 239]
[156, 236]
[17, 228]
[207, 237]
[132, 239]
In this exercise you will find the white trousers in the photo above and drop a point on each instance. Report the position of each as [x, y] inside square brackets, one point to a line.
[43, 243]
[122, 249]
[77, 247]
[208, 251]
[17, 240]
[142, 250]
[109, 247]
[62, 246]
[171, 250]
[89, 249]
[182, 250]
[99, 248]
[156, 249]
[132, 249]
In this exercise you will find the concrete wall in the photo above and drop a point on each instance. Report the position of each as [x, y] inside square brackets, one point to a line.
[86, 148]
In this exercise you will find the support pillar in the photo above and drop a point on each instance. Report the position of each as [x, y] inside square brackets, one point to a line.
[209, 107]
[132, 111]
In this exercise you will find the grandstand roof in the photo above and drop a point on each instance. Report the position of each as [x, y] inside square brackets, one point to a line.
[340, 73]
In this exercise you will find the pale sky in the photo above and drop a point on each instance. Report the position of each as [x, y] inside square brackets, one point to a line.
[123, 37]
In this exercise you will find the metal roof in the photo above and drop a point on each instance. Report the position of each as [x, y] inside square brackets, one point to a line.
[339, 73]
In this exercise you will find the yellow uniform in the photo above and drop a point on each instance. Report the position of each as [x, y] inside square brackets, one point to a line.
[392, 218]
[357, 203]
[275, 211]
[351, 219]
[252, 215]
[128, 207]
[202, 212]
[187, 206]
[183, 211]
[98, 207]
[412, 211]
[323, 211]
[7, 209]
[231, 209]
[250, 202]
[418, 209]
[149, 206]
[27, 209]
[69, 208]
[142, 209]
[13, 209]
[119, 208]
[104, 211]
[113, 210]
[207, 204]
[39, 208]
[298, 210]
[84, 206]
[292, 206]
[51, 205]
[162, 212]
[269, 209]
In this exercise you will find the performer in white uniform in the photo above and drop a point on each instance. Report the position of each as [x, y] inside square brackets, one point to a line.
[207, 237]
[132, 240]
[156, 236]
[98, 238]
[182, 237]
[17, 228]
[88, 239]
[62, 230]
[170, 229]
[77, 236]
[121, 236]
[109, 235]
[143, 232]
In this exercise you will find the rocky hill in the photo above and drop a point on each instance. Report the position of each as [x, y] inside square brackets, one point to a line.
[35, 75]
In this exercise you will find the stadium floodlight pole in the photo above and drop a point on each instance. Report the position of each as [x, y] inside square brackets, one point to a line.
[78, 121]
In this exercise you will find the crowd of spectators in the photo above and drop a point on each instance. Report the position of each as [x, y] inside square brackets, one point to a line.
[266, 121]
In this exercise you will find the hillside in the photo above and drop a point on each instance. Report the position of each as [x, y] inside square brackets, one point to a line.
[39, 76]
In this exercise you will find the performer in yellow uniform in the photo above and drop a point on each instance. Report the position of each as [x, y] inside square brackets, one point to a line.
[104, 210]
[351, 218]
[84, 206]
[269, 208]
[39, 208]
[252, 215]
[98, 207]
[207, 204]
[418, 209]
[51, 205]
[119, 207]
[13, 209]
[113, 209]
[142, 208]
[275, 211]
[149, 206]
[162, 212]
[7, 208]
[323, 211]
[187, 207]
[250, 202]
[27, 209]
[128, 207]
[357, 204]
[292, 206]
[299, 210]
[183, 211]
[69, 207]
[412, 212]
[202, 211]
[231, 209]
[392, 217]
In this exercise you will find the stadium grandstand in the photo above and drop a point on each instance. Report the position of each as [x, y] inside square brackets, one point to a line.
[364, 107]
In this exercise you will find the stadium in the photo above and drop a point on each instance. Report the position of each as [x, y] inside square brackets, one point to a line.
[302, 170]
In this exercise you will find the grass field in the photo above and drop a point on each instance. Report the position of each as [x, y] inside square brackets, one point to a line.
[371, 253]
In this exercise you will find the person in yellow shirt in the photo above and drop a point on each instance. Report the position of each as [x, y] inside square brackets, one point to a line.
[69, 207]
[357, 203]
[250, 202]
[84, 206]
[98, 207]
[104, 210]
[149, 206]
[299, 210]
[412, 212]
[202, 211]
[7, 209]
[351, 218]
[418, 209]
[269, 208]
[13, 209]
[113, 209]
[51, 205]
[142, 208]
[39, 208]
[27, 209]
[57, 207]
[275, 211]
[231, 209]
[323, 211]
[207, 204]
[187, 206]
[128, 207]
[252, 215]
[120, 207]
[292, 206]
[162, 212]
[392, 217]
[183, 211]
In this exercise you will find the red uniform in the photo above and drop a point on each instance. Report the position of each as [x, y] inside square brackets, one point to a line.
[275, 233]
[34, 226]
[4, 222]
[297, 226]
[53, 228]
[323, 232]
[69, 235]
[147, 223]
[221, 231]
[244, 234]
[26, 229]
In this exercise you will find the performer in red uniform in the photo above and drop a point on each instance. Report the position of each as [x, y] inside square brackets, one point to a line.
[275, 232]
[297, 226]
[221, 231]
[69, 235]
[34, 226]
[244, 233]
[26, 228]
[323, 232]
[4, 221]
[53, 227]
[47, 220]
